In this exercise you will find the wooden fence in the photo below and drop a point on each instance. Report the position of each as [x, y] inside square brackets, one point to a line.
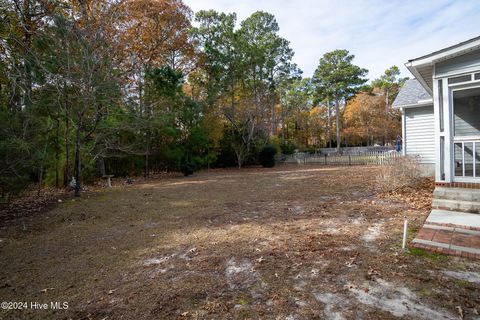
[366, 158]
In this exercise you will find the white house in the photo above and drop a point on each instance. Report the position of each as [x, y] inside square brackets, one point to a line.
[441, 125]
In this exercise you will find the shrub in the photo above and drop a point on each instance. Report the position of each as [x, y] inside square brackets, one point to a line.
[288, 147]
[403, 172]
[266, 157]
[188, 168]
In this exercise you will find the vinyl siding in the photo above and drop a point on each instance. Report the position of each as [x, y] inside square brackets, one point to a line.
[420, 133]
[457, 64]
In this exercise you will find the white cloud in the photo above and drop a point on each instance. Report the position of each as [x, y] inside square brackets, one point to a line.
[380, 33]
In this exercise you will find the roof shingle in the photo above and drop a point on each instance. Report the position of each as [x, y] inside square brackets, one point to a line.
[410, 94]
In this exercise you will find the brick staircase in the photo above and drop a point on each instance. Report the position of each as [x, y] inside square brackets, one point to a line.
[453, 226]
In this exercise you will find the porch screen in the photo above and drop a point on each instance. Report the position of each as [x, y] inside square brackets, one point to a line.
[466, 104]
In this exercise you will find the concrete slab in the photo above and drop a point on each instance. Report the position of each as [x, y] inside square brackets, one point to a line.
[454, 217]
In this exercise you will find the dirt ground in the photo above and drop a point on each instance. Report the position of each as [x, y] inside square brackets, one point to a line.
[291, 242]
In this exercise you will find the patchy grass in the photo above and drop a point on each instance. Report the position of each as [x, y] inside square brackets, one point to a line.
[291, 242]
[428, 255]
[463, 283]
[424, 292]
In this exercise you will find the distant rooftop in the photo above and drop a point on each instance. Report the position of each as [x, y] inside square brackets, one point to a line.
[412, 93]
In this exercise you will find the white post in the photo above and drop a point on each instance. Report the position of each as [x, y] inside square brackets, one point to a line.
[405, 228]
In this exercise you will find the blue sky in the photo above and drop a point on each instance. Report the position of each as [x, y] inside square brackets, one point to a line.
[380, 33]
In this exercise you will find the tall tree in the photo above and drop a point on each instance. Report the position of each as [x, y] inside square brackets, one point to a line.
[390, 83]
[336, 75]
[154, 33]
[297, 101]
[80, 54]
[220, 55]
[267, 61]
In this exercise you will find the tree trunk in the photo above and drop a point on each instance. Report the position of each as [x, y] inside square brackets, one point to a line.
[67, 143]
[329, 123]
[274, 126]
[57, 151]
[387, 109]
[78, 163]
[337, 109]
[146, 156]
[27, 28]
[233, 100]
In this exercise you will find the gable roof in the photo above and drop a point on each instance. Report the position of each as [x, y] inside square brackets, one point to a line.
[412, 94]
[422, 67]
[444, 53]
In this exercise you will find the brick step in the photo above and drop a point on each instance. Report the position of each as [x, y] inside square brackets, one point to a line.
[461, 194]
[456, 205]
[448, 240]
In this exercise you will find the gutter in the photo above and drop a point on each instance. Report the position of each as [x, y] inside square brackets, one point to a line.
[417, 76]
[421, 103]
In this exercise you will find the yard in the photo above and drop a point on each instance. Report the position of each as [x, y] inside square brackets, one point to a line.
[292, 242]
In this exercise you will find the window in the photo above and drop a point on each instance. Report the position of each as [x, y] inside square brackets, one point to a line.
[459, 79]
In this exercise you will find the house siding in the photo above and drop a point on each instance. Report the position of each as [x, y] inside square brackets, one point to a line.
[420, 133]
[458, 64]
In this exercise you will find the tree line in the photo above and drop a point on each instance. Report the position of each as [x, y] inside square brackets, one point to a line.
[133, 87]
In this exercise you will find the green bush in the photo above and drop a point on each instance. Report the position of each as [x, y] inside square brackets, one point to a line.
[288, 147]
[266, 157]
[188, 168]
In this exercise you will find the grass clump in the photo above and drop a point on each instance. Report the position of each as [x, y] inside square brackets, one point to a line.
[425, 254]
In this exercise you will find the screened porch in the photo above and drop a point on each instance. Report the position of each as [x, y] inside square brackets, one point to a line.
[466, 121]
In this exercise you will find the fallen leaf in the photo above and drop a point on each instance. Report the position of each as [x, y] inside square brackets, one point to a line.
[260, 260]
[372, 271]
[111, 291]
[350, 286]
[460, 311]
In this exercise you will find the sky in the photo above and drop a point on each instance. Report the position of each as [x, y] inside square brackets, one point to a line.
[380, 33]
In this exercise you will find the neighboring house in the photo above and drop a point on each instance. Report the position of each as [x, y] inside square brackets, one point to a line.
[441, 124]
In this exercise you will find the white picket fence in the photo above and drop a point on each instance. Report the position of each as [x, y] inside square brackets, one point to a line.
[364, 158]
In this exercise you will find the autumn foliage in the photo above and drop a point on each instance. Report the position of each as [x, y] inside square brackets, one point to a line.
[136, 87]
[367, 122]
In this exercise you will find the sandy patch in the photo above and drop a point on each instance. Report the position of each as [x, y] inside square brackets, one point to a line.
[472, 277]
[330, 300]
[372, 233]
[399, 301]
